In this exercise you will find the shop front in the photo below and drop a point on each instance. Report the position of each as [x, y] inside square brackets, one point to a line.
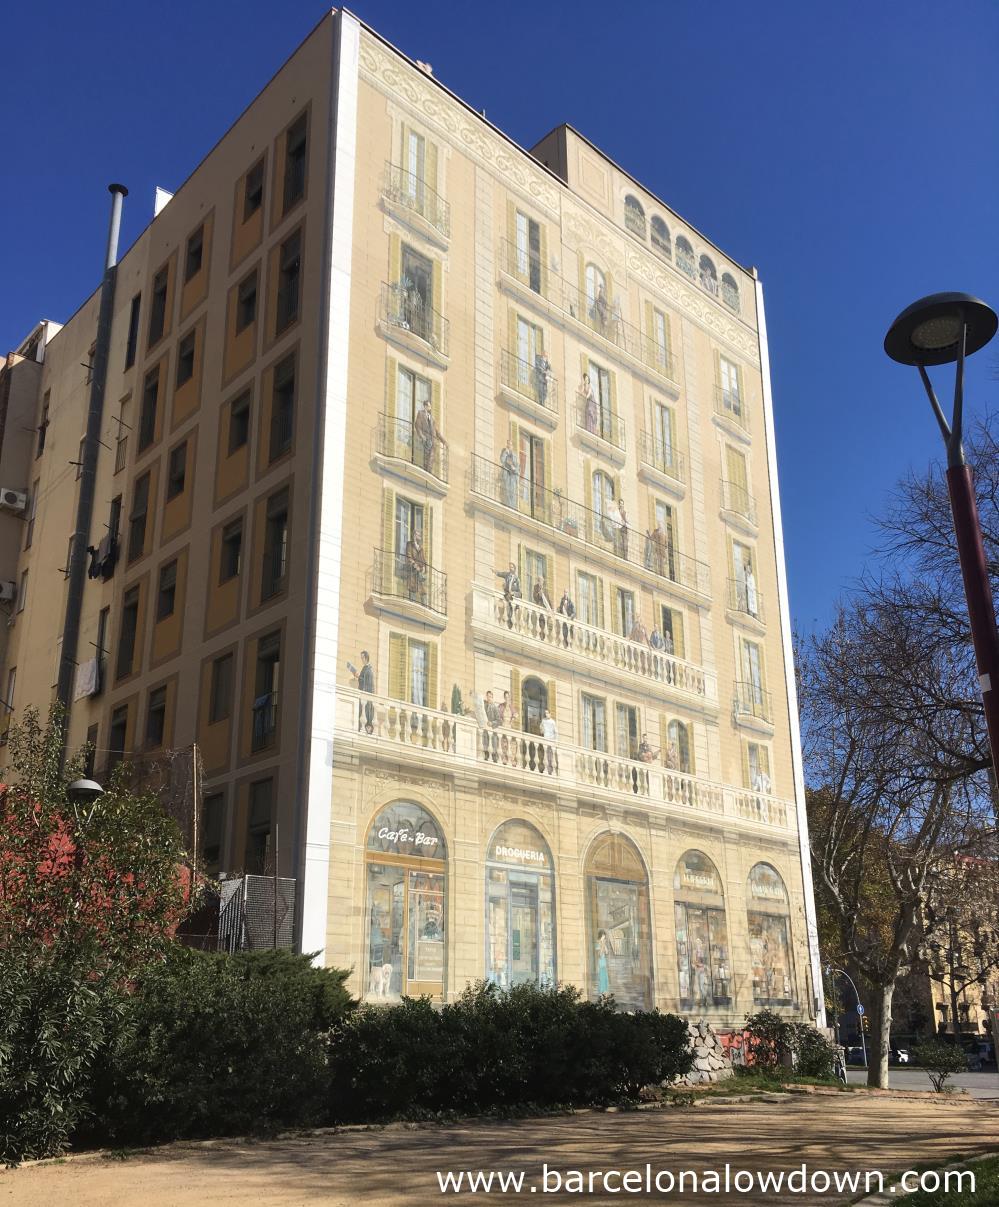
[702, 950]
[619, 930]
[520, 907]
[770, 938]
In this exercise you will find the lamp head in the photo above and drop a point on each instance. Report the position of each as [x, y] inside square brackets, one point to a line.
[929, 331]
[84, 790]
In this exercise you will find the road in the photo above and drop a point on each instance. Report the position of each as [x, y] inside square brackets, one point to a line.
[399, 1166]
[978, 1085]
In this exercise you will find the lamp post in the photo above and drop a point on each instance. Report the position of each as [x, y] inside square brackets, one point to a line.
[937, 330]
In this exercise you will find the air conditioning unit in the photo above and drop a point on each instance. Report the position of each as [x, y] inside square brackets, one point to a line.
[8, 591]
[13, 500]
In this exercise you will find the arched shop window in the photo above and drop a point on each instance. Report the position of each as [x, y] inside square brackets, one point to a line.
[618, 927]
[703, 964]
[520, 907]
[770, 938]
[406, 926]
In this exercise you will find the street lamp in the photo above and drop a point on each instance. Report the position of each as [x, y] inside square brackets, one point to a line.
[936, 330]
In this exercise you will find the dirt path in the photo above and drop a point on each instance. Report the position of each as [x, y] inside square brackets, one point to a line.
[399, 1166]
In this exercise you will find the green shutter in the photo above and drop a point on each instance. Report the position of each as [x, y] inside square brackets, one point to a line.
[520, 568]
[437, 286]
[430, 165]
[511, 238]
[678, 643]
[404, 148]
[391, 393]
[692, 770]
[543, 253]
[435, 404]
[550, 579]
[552, 697]
[432, 699]
[388, 521]
[613, 392]
[650, 324]
[398, 662]
[747, 781]
[515, 693]
[600, 603]
[428, 534]
[663, 735]
[511, 332]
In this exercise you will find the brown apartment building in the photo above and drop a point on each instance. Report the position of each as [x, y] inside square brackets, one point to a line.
[436, 502]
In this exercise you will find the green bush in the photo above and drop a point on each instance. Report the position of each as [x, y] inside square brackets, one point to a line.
[494, 1049]
[813, 1053]
[218, 1045]
[53, 1022]
[940, 1059]
[777, 1044]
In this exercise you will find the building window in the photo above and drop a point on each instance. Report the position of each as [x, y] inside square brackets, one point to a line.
[731, 395]
[730, 291]
[90, 760]
[282, 408]
[594, 723]
[129, 629]
[137, 520]
[230, 551]
[253, 190]
[239, 422]
[685, 256]
[413, 671]
[618, 928]
[147, 416]
[101, 644]
[703, 964]
[258, 827]
[532, 479]
[753, 697]
[176, 471]
[678, 753]
[158, 304]
[220, 696]
[212, 815]
[275, 565]
[156, 717]
[114, 518]
[246, 302]
[589, 599]
[22, 591]
[634, 216]
[195, 254]
[520, 908]
[91, 357]
[29, 532]
[43, 424]
[117, 734]
[627, 730]
[527, 251]
[708, 275]
[769, 938]
[536, 698]
[660, 236]
[166, 595]
[295, 154]
[265, 692]
[405, 912]
[289, 281]
[624, 611]
[185, 359]
[756, 771]
[133, 331]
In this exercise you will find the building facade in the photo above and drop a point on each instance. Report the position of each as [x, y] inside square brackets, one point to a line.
[437, 504]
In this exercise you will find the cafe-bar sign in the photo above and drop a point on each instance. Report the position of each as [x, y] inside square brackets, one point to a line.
[405, 839]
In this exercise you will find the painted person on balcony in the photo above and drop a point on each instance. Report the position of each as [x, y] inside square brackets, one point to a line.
[603, 951]
[645, 752]
[752, 599]
[639, 632]
[428, 434]
[671, 756]
[619, 527]
[655, 550]
[542, 371]
[416, 567]
[656, 639]
[511, 475]
[365, 678]
[587, 400]
[511, 590]
[567, 609]
[492, 711]
[599, 310]
[539, 595]
[508, 712]
[549, 730]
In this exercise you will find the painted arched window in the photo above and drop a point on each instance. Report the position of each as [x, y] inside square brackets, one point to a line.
[520, 907]
[703, 965]
[634, 216]
[598, 311]
[769, 920]
[685, 256]
[405, 917]
[730, 291]
[604, 494]
[679, 753]
[533, 702]
[618, 926]
[708, 275]
[660, 236]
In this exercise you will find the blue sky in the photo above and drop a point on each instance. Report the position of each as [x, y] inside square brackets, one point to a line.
[848, 149]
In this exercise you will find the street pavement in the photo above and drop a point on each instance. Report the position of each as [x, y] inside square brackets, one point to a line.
[978, 1085]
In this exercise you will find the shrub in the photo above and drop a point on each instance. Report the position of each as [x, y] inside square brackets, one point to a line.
[776, 1043]
[217, 1045]
[813, 1053]
[494, 1049]
[940, 1060]
[53, 1021]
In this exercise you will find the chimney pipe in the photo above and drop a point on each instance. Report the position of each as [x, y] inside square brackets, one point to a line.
[118, 194]
[88, 468]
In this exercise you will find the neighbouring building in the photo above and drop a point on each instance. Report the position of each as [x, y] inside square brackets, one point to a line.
[436, 502]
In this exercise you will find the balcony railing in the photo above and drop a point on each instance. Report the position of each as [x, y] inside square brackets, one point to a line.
[264, 720]
[400, 577]
[729, 405]
[736, 498]
[660, 456]
[412, 193]
[744, 597]
[403, 307]
[647, 550]
[751, 700]
[533, 381]
[511, 754]
[398, 439]
[537, 625]
[600, 314]
[599, 421]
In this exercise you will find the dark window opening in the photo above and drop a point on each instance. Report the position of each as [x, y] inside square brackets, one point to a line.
[275, 546]
[157, 309]
[258, 827]
[133, 331]
[231, 551]
[195, 254]
[253, 194]
[289, 281]
[282, 408]
[166, 596]
[246, 302]
[150, 402]
[129, 628]
[294, 163]
[212, 814]
[265, 698]
[156, 717]
[117, 734]
[176, 471]
[185, 359]
[137, 520]
[239, 422]
[220, 697]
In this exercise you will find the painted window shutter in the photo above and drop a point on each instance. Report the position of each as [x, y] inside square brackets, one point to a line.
[430, 166]
[678, 643]
[550, 579]
[650, 325]
[437, 286]
[747, 778]
[433, 700]
[515, 690]
[582, 286]
[511, 238]
[391, 393]
[765, 759]
[395, 259]
[428, 534]
[435, 404]
[718, 377]
[388, 521]
[584, 367]
[588, 497]
[613, 392]
[663, 735]
[398, 661]
[404, 158]
[609, 290]
[600, 603]
[552, 697]
[511, 332]
[692, 768]
[736, 466]
[543, 256]
[521, 567]
[515, 439]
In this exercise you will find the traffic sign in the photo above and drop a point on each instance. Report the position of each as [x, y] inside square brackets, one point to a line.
[860, 1007]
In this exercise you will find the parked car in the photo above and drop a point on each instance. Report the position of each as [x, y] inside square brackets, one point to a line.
[855, 1056]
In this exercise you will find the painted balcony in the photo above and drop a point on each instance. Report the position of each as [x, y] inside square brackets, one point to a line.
[752, 704]
[731, 409]
[545, 634]
[663, 460]
[399, 446]
[739, 505]
[529, 388]
[413, 323]
[745, 601]
[399, 585]
[403, 733]
[411, 197]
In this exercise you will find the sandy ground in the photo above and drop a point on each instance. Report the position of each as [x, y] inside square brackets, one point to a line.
[399, 1165]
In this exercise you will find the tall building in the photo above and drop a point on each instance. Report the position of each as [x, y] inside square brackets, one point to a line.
[435, 499]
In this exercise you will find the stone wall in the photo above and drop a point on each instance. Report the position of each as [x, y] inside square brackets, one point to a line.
[711, 1062]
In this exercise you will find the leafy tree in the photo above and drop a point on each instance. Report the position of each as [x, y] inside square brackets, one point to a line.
[940, 1060]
